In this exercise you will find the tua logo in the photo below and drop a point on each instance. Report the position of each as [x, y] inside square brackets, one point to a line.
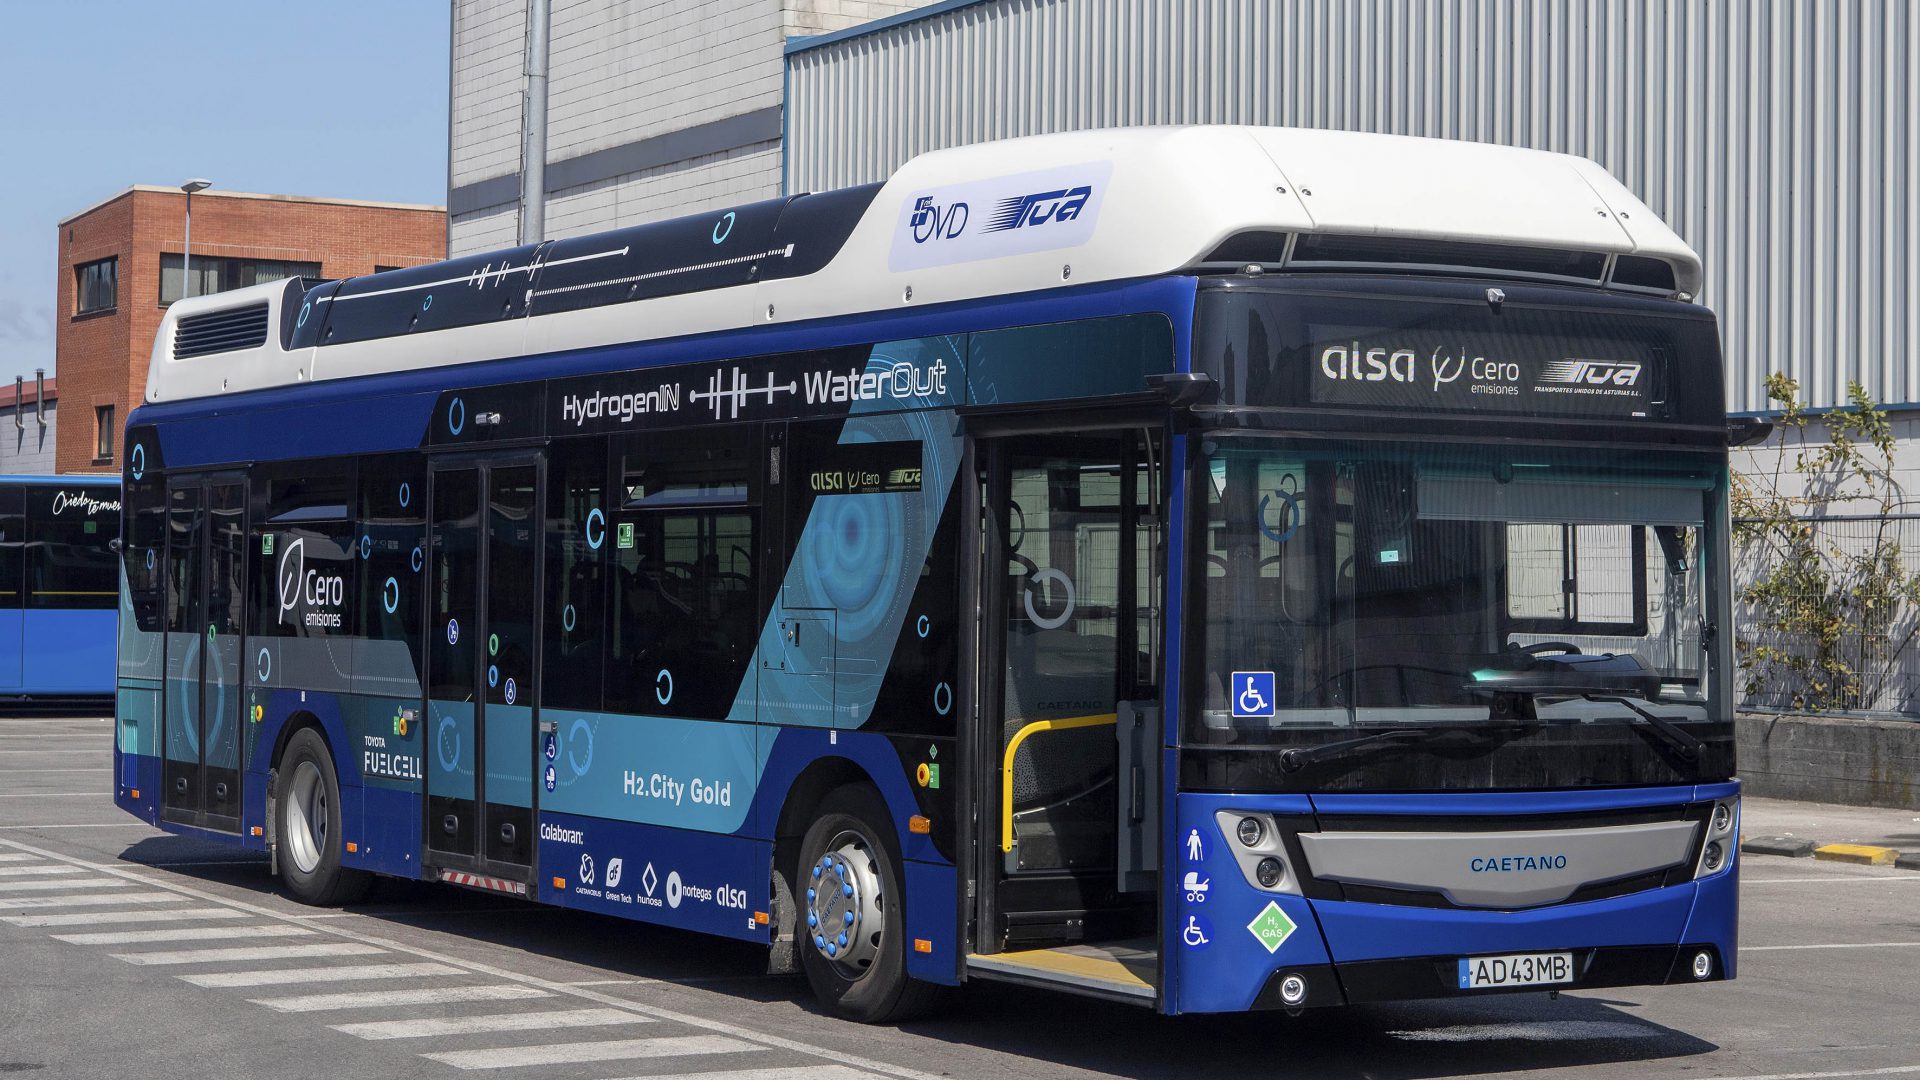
[1039, 208]
[929, 220]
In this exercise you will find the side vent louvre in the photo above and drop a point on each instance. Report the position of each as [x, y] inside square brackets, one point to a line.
[220, 331]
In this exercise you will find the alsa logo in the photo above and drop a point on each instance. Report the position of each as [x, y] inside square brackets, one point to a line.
[1571, 372]
[324, 594]
[1368, 365]
[1039, 208]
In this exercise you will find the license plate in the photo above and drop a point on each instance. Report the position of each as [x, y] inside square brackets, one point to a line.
[1516, 969]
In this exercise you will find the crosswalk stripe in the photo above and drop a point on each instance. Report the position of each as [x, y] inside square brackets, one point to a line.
[22, 903]
[568, 1053]
[285, 976]
[261, 952]
[421, 1027]
[30, 871]
[18, 856]
[114, 918]
[795, 1072]
[63, 883]
[183, 933]
[382, 998]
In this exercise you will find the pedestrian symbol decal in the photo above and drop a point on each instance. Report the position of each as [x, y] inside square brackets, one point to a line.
[1196, 849]
[1252, 693]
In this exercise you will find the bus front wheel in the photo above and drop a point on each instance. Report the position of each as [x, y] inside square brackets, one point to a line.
[307, 826]
[852, 926]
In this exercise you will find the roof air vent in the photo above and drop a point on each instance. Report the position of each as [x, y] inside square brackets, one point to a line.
[228, 330]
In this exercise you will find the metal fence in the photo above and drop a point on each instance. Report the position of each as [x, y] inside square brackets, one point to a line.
[1827, 614]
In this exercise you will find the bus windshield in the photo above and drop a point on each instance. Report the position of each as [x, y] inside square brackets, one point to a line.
[1359, 585]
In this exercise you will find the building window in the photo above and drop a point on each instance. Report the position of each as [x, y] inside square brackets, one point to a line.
[103, 432]
[96, 286]
[218, 273]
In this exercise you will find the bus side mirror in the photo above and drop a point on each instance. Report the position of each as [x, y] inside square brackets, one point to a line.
[1747, 431]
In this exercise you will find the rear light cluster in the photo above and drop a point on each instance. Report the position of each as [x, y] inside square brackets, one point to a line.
[1256, 845]
[1723, 829]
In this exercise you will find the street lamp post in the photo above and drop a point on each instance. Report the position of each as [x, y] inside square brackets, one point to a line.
[186, 249]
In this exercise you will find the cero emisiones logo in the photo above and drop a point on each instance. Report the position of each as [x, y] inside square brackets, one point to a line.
[293, 562]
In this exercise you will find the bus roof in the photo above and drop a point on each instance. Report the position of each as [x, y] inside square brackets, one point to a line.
[999, 218]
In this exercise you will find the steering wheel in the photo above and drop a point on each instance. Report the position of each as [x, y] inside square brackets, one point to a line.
[1539, 647]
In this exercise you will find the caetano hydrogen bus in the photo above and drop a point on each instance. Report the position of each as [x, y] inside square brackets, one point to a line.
[1211, 568]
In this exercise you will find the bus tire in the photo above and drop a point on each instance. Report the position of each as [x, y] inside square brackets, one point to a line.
[850, 866]
[307, 826]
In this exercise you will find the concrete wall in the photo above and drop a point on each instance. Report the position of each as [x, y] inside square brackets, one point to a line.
[27, 450]
[1832, 760]
[655, 108]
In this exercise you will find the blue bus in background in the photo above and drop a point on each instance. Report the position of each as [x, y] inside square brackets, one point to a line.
[1206, 568]
[59, 590]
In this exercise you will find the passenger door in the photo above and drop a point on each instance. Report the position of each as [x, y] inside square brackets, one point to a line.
[206, 598]
[1072, 571]
[483, 663]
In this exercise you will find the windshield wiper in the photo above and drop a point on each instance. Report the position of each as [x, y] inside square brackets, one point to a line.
[1677, 738]
[1297, 758]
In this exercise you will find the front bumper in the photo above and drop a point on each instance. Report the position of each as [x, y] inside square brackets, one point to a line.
[1414, 978]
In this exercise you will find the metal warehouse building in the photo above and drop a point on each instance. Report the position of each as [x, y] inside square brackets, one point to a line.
[1777, 136]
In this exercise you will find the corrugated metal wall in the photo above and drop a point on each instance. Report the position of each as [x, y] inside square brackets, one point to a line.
[1777, 136]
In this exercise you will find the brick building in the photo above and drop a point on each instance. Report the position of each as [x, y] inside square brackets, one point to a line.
[121, 265]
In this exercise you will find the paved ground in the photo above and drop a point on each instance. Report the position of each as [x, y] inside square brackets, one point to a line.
[109, 968]
[1826, 824]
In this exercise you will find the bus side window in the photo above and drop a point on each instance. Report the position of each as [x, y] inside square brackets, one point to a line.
[685, 609]
[392, 520]
[13, 547]
[579, 536]
[69, 564]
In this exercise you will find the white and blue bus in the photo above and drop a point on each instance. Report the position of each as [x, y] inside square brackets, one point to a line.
[59, 591]
[1209, 568]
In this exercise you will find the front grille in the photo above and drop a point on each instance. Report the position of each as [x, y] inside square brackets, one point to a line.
[220, 331]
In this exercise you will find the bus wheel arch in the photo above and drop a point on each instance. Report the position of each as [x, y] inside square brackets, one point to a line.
[809, 790]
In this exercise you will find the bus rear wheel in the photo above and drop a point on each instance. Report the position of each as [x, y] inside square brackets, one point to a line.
[307, 826]
[852, 926]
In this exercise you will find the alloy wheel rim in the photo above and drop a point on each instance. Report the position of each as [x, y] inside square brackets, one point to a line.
[306, 817]
[846, 907]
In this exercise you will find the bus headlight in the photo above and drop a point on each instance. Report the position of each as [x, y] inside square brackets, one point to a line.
[1723, 829]
[1250, 831]
[1715, 853]
[1261, 851]
[1269, 872]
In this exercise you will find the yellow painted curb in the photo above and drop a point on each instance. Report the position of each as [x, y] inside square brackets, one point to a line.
[1864, 854]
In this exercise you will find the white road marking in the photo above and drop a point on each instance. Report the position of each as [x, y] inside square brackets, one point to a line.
[16, 856]
[285, 976]
[57, 795]
[261, 952]
[740, 1032]
[45, 868]
[22, 903]
[115, 918]
[183, 933]
[567, 1053]
[798, 1072]
[425, 1026]
[130, 823]
[1554, 1031]
[436, 995]
[1837, 879]
[1890, 1070]
[63, 883]
[1849, 945]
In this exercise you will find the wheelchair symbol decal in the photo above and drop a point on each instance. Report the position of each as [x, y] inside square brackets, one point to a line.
[1252, 693]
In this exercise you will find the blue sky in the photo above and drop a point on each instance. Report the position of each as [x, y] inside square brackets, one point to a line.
[344, 99]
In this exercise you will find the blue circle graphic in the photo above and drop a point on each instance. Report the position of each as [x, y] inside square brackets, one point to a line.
[139, 460]
[390, 595]
[664, 695]
[263, 664]
[720, 233]
[595, 516]
[456, 417]
[419, 559]
[943, 699]
[150, 558]
[493, 675]
[306, 309]
[406, 493]
[448, 748]
[427, 304]
[1291, 514]
[923, 625]
[568, 619]
[580, 733]
[366, 546]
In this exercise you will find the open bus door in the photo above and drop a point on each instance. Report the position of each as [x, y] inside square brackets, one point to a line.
[1072, 571]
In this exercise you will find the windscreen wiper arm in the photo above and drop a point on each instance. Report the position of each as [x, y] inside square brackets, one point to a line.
[1297, 758]
[1676, 737]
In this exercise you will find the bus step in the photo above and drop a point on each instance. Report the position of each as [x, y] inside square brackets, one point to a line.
[1118, 970]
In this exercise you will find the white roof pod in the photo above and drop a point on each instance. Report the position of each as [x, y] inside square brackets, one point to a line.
[991, 219]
